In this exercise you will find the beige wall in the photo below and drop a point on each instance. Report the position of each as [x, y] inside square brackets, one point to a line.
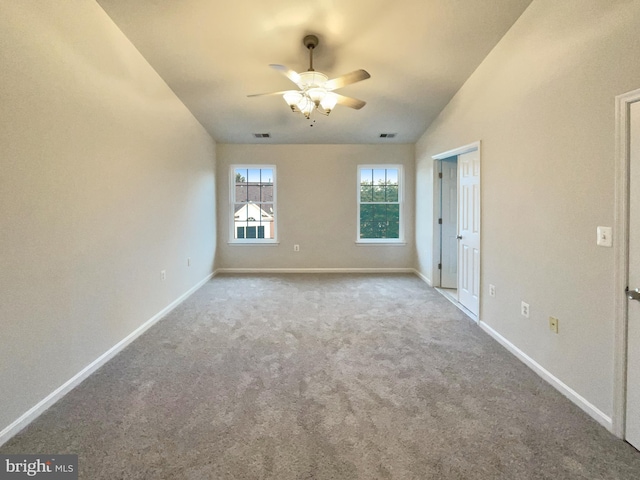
[106, 179]
[316, 205]
[542, 103]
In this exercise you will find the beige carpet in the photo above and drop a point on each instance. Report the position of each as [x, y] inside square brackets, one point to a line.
[322, 377]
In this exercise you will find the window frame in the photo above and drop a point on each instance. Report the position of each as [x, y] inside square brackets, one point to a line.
[386, 166]
[232, 202]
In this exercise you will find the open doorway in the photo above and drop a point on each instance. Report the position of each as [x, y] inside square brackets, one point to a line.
[457, 231]
[448, 223]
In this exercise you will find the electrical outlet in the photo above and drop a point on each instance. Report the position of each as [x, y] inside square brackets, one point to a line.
[188, 261]
[553, 324]
[296, 248]
[163, 275]
[492, 290]
[524, 309]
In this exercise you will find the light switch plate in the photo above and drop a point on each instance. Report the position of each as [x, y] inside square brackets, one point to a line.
[605, 237]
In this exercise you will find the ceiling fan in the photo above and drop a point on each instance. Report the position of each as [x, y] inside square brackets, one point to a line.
[316, 91]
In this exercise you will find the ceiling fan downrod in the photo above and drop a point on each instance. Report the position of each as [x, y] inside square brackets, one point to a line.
[311, 42]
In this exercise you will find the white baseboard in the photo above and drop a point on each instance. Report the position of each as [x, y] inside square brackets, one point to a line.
[567, 391]
[315, 270]
[37, 410]
[555, 382]
[457, 304]
[423, 277]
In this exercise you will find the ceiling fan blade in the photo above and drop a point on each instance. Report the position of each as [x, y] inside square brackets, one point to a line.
[271, 93]
[347, 79]
[350, 102]
[290, 74]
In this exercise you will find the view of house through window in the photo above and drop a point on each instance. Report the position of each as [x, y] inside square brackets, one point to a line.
[379, 198]
[253, 194]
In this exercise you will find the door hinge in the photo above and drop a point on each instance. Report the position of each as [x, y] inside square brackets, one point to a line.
[439, 266]
[439, 174]
[440, 221]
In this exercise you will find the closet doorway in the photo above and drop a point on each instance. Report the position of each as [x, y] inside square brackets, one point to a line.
[457, 232]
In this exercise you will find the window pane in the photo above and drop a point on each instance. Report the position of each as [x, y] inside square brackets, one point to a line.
[266, 193]
[266, 212]
[379, 193]
[253, 175]
[366, 193]
[366, 221]
[392, 193]
[266, 221]
[379, 176]
[379, 221]
[267, 176]
[393, 221]
[366, 176]
[241, 193]
[240, 175]
[253, 193]
[251, 232]
[240, 232]
[392, 176]
[261, 232]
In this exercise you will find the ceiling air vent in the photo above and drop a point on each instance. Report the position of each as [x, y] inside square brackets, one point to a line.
[387, 135]
[262, 135]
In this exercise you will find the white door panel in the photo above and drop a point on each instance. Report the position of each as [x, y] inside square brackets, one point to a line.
[469, 230]
[633, 334]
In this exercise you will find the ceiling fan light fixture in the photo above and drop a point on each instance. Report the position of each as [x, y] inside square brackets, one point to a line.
[328, 102]
[306, 106]
[316, 95]
[292, 99]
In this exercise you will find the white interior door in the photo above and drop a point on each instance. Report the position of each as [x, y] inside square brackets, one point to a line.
[469, 230]
[633, 334]
[449, 227]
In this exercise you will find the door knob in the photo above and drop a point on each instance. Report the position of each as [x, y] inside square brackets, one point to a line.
[633, 294]
[459, 237]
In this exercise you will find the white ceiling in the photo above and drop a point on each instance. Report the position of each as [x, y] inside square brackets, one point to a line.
[214, 53]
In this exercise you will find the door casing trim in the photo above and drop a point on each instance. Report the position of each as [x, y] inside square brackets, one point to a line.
[621, 257]
[436, 191]
[458, 151]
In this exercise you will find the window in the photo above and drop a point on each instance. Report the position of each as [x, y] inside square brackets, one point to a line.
[379, 203]
[253, 204]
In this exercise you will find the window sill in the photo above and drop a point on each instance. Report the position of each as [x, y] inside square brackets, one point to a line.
[386, 243]
[254, 243]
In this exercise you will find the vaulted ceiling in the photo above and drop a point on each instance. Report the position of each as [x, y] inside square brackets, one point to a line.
[214, 53]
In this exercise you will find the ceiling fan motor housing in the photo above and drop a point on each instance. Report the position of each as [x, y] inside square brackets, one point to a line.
[310, 41]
